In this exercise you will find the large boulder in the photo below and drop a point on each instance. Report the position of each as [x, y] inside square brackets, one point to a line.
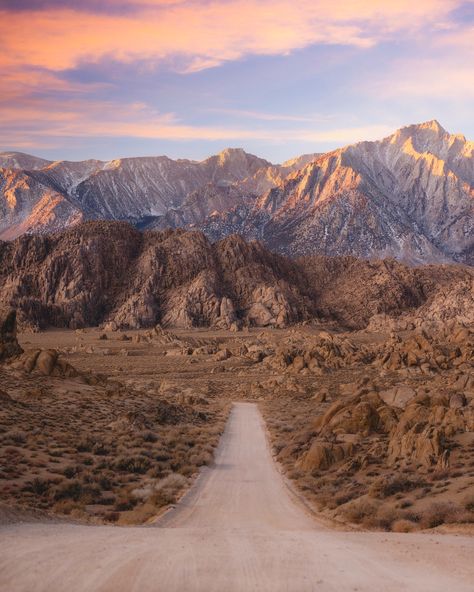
[322, 455]
[362, 414]
[423, 443]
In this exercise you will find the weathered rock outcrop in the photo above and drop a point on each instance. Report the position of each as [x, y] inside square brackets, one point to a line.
[46, 363]
[109, 272]
[104, 272]
[401, 427]
[9, 346]
[428, 349]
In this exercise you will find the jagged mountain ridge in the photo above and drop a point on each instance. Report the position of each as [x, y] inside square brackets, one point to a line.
[409, 196]
[41, 196]
[110, 272]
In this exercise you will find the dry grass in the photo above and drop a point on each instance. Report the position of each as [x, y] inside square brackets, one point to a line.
[82, 449]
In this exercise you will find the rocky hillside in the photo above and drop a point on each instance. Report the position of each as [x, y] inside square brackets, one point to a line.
[408, 196]
[109, 272]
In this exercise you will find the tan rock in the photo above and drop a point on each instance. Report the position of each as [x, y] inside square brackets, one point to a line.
[322, 455]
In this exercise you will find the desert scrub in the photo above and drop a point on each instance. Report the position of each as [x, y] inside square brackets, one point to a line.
[72, 471]
[161, 492]
[358, 510]
[403, 525]
[439, 513]
[388, 486]
[38, 486]
[133, 464]
[17, 437]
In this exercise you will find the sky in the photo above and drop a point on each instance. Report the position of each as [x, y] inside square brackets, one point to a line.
[186, 78]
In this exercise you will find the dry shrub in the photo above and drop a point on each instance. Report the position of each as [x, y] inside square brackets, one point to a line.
[149, 437]
[65, 506]
[125, 504]
[17, 437]
[344, 497]
[38, 486]
[383, 518]
[403, 525]
[444, 513]
[77, 491]
[72, 471]
[169, 487]
[133, 464]
[387, 486]
[200, 459]
[161, 492]
[162, 455]
[359, 510]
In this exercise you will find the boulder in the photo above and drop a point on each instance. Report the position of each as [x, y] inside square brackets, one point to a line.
[422, 443]
[358, 415]
[221, 355]
[322, 455]
[399, 396]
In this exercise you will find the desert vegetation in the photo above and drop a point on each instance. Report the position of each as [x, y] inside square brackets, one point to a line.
[385, 441]
[374, 428]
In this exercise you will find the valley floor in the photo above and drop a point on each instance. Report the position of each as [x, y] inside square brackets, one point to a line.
[238, 528]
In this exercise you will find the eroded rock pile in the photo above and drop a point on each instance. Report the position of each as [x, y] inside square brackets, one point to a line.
[46, 363]
[108, 272]
[416, 430]
[315, 354]
[428, 350]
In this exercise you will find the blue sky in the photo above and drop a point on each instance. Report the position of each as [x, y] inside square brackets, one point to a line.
[188, 78]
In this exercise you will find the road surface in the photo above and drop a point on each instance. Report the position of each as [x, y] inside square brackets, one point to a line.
[238, 529]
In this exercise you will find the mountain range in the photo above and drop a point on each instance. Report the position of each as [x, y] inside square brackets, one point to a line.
[408, 196]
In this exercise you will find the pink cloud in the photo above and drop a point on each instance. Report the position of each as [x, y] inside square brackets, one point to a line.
[207, 33]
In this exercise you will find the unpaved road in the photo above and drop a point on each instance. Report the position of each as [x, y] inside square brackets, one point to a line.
[237, 530]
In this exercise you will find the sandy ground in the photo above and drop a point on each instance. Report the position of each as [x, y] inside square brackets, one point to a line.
[238, 529]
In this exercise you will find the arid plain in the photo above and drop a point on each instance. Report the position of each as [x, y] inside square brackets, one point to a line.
[113, 427]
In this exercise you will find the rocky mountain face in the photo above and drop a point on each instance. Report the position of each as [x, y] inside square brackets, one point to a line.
[38, 196]
[408, 196]
[111, 273]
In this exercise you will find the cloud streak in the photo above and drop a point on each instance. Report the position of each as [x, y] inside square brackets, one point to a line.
[207, 33]
[81, 118]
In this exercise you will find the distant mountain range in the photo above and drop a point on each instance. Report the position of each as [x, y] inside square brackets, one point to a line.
[408, 196]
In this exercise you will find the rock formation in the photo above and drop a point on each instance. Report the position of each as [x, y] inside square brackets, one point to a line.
[110, 273]
[9, 346]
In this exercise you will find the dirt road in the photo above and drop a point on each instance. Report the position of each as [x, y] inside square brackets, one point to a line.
[239, 530]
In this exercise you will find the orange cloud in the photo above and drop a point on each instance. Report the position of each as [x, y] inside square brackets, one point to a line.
[206, 33]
